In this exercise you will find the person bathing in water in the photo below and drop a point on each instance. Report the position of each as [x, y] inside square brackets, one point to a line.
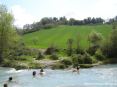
[34, 73]
[41, 71]
[10, 79]
[77, 69]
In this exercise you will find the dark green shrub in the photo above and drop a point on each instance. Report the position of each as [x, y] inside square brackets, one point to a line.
[69, 52]
[91, 50]
[50, 50]
[99, 55]
[79, 51]
[75, 60]
[58, 66]
[80, 59]
[87, 58]
[18, 67]
[69, 47]
[94, 59]
[8, 63]
[35, 65]
[14, 64]
[54, 56]
[66, 62]
[86, 65]
[21, 58]
[48, 26]
[40, 56]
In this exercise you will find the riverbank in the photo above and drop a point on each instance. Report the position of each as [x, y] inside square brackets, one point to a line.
[53, 64]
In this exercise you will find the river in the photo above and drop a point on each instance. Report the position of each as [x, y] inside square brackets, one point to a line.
[100, 76]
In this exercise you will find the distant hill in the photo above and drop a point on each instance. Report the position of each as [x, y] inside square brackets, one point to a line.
[59, 35]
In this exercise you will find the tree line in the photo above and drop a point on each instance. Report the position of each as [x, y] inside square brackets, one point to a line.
[49, 22]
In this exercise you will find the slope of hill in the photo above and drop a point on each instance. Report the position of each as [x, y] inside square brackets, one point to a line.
[59, 35]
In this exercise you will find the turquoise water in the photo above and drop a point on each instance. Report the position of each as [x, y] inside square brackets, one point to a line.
[101, 76]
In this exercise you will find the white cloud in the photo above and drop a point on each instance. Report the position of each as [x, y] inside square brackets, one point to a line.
[106, 8]
[21, 16]
[99, 8]
[78, 9]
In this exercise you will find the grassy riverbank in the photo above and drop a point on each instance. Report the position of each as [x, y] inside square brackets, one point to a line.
[53, 64]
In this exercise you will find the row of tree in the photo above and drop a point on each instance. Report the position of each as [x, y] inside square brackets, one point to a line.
[49, 22]
[112, 20]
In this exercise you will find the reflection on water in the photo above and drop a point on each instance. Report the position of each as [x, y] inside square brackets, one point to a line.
[101, 76]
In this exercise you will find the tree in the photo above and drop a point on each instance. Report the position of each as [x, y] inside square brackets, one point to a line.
[114, 25]
[94, 38]
[70, 48]
[63, 20]
[7, 32]
[72, 21]
[109, 48]
[79, 50]
[113, 43]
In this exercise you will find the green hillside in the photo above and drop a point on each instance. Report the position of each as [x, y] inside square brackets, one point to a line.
[59, 35]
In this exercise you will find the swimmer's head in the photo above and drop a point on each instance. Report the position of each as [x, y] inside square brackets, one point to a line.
[5, 85]
[34, 73]
[10, 78]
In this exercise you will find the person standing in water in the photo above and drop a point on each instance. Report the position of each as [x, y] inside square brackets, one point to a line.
[10, 79]
[34, 73]
[42, 71]
[78, 67]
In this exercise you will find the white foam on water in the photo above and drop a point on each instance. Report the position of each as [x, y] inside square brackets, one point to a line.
[11, 71]
[71, 86]
[14, 71]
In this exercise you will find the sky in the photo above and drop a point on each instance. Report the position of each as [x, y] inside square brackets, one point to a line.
[29, 11]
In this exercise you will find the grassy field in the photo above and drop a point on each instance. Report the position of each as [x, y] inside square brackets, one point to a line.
[59, 35]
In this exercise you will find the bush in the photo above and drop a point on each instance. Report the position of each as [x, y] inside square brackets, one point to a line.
[14, 64]
[54, 56]
[86, 65]
[66, 62]
[79, 51]
[75, 60]
[94, 59]
[35, 65]
[21, 58]
[8, 63]
[48, 26]
[87, 58]
[58, 66]
[92, 49]
[80, 59]
[50, 50]
[40, 56]
[69, 52]
[99, 55]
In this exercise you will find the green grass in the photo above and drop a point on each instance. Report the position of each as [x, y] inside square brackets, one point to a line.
[59, 35]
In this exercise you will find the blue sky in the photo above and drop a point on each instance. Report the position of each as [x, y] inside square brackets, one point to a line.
[29, 11]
